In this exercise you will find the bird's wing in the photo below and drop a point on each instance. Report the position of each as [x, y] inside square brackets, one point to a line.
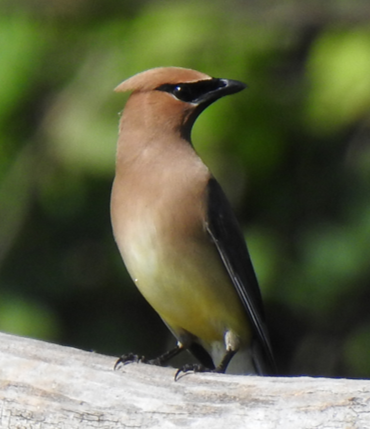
[225, 232]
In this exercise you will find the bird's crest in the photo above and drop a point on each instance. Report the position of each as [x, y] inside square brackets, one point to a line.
[153, 78]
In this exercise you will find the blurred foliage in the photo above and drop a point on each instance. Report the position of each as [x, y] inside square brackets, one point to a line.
[292, 152]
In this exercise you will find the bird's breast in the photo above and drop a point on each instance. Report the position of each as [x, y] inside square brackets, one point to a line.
[163, 241]
[154, 224]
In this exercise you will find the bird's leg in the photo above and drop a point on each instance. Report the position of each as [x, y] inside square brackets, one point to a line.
[225, 361]
[220, 369]
[159, 361]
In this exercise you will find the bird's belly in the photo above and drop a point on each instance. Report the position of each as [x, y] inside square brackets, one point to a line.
[187, 285]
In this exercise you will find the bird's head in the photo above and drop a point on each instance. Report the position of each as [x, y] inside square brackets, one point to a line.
[173, 97]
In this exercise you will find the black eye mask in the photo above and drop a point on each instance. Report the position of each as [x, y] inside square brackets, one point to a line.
[193, 92]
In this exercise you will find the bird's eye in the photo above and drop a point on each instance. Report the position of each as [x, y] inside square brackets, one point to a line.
[183, 93]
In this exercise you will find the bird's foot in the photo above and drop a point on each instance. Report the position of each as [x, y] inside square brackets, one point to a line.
[130, 358]
[133, 358]
[159, 361]
[195, 367]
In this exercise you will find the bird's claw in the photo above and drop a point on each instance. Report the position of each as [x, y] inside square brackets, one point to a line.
[130, 358]
[195, 367]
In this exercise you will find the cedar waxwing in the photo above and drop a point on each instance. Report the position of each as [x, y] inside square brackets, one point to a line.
[176, 231]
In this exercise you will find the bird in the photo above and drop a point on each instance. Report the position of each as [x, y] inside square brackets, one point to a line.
[176, 231]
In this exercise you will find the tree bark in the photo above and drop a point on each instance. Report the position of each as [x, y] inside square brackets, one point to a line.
[46, 386]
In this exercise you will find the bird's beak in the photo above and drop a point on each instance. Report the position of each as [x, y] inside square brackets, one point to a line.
[223, 87]
[231, 86]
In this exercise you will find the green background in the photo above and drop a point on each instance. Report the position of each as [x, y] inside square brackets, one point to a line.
[292, 152]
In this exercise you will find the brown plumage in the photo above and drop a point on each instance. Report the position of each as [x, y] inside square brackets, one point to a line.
[175, 229]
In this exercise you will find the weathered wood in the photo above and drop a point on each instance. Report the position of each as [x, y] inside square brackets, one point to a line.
[45, 386]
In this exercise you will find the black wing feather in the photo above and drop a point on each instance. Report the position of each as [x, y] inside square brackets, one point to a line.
[225, 232]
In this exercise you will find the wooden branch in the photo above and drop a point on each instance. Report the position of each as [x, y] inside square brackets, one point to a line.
[45, 386]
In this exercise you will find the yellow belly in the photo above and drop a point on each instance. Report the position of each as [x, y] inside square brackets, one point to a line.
[189, 288]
